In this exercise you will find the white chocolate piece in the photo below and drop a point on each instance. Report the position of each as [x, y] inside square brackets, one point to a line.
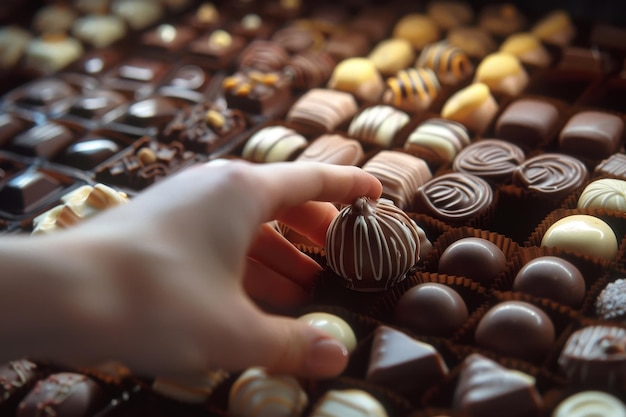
[606, 193]
[334, 326]
[54, 19]
[348, 403]
[378, 125]
[590, 404]
[139, 14]
[194, 391]
[503, 73]
[273, 144]
[419, 29]
[438, 141]
[13, 42]
[99, 30]
[584, 234]
[259, 394]
[359, 77]
[49, 55]
[472, 106]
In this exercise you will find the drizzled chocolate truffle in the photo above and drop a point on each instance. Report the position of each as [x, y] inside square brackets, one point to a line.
[372, 244]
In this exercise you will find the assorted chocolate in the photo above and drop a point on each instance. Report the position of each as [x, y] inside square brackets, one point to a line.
[489, 279]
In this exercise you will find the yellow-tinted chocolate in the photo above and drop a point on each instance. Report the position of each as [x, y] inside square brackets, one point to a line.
[55, 18]
[418, 29]
[450, 63]
[555, 28]
[527, 48]
[13, 42]
[51, 53]
[392, 55]
[502, 73]
[473, 107]
[413, 89]
[359, 77]
[502, 19]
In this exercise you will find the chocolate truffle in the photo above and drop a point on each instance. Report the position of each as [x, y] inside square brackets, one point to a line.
[552, 277]
[437, 141]
[501, 19]
[474, 258]
[345, 44]
[527, 122]
[595, 356]
[454, 198]
[590, 403]
[450, 63]
[392, 55]
[431, 309]
[333, 149]
[472, 106]
[516, 328]
[263, 56]
[614, 166]
[378, 125]
[605, 193]
[349, 402]
[99, 31]
[256, 393]
[310, 69]
[503, 73]
[401, 175]
[611, 303]
[402, 363]
[412, 90]
[555, 28]
[584, 234]
[485, 388]
[45, 140]
[527, 48]
[334, 326]
[322, 110]
[26, 190]
[449, 14]
[474, 41]
[217, 49]
[259, 93]
[372, 244]
[273, 144]
[490, 159]
[15, 378]
[63, 394]
[51, 52]
[418, 29]
[551, 175]
[359, 77]
[592, 134]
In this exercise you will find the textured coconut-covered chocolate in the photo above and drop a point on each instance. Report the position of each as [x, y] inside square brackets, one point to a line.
[372, 244]
[527, 123]
[402, 363]
[454, 198]
[596, 356]
[592, 134]
[431, 309]
[490, 159]
[611, 302]
[486, 388]
[552, 277]
[517, 329]
[551, 174]
[474, 258]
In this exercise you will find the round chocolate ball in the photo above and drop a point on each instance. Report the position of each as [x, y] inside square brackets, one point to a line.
[372, 244]
[517, 329]
[334, 326]
[552, 277]
[477, 259]
[431, 309]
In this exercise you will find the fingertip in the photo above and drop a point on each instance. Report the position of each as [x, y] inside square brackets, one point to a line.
[326, 358]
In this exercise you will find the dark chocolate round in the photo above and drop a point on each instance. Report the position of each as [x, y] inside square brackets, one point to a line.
[454, 198]
[472, 257]
[611, 303]
[431, 309]
[372, 244]
[516, 328]
[552, 277]
[490, 159]
[551, 174]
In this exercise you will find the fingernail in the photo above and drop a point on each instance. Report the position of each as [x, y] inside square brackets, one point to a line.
[327, 357]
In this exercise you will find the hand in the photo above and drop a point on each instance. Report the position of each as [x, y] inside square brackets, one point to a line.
[166, 283]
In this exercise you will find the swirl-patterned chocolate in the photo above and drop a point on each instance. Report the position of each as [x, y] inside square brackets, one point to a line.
[309, 69]
[490, 159]
[412, 89]
[454, 198]
[449, 62]
[372, 244]
[551, 174]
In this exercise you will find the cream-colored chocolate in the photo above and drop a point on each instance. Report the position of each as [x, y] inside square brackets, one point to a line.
[190, 390]
[605, 193]
[392, 55]
[273, 144]
[13, 42]
[472, 106]
[437, 141]
[450, 14]
[527, 48]
[503, 73]
[474, 41]
[78, 205]
[419, 29]
[55, 18]
[501, 19]
[378, 125]
[359, 77]
[555, 28]
[139, 14]
[582, 234]
[99, 30]
[412, 90]
[334, 326]
[333, 149]
[348, 403]
[590, 403]
[50, 53]
[257, 393]
[450, 63]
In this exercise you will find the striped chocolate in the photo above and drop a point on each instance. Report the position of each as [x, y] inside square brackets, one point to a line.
[412, 89]
[273, 144]
[438, 141]
[378, 125]
[450, 63]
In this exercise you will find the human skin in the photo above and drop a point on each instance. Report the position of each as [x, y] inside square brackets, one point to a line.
[170, 284]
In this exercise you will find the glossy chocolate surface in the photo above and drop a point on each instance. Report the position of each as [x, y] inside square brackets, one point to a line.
[474, 258]
[614, 165]
[10, 126]
[592, 134]
[89, 152]
[50, 96]
[96, 104]
[583, 234]
[151, 112]
[45, 140]
[431, 309]
[527, 123]
[25, 190]
[490, 159]
[551, 174]
[257, 93]
[517, 329]
[333, 149]
[136, 77]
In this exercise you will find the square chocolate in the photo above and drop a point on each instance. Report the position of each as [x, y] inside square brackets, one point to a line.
[528, 123]
[26, 190]
[592, 134]
[44, 141]
[137, 77]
